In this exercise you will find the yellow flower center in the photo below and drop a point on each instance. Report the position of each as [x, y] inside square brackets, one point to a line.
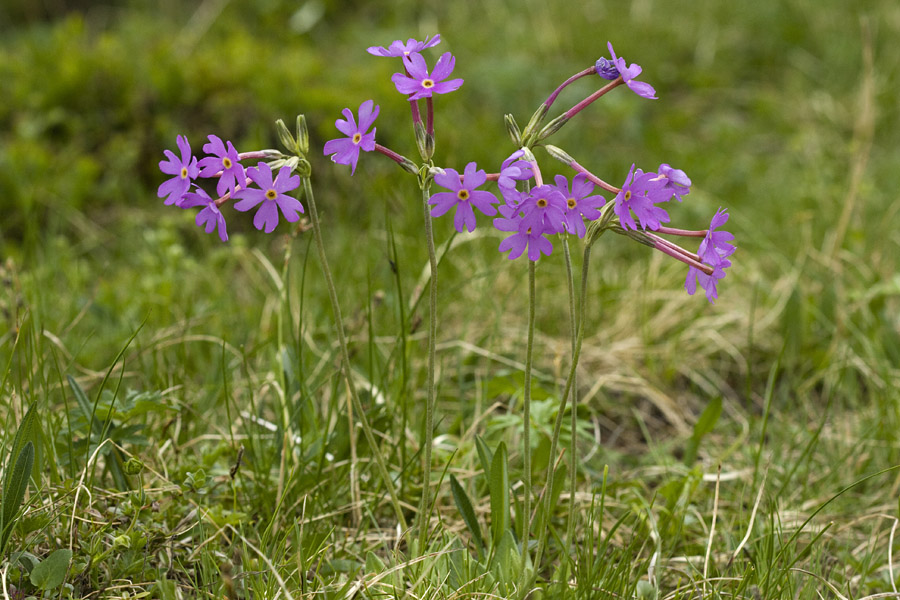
[627, 195]
[184, 172]
[463, 194]
[271, 194]
[542, 203]
[226, 162]
[427, 83]
[357, 137]
[571, 203]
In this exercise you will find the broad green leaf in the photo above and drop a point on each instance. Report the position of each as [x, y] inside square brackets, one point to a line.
[708, 418]
[464, 505]
[27, 432]
[499, 488]
[14, 492]
[374, 564]
[485, 455]
[52, 571]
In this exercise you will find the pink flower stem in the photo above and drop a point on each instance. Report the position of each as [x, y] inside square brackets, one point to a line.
[257, 155]
[578, 107]
[227, 196]
[593, 178]
[429, 119]
[549, 101]
[683, 232]
[679, 253]
[390, 154]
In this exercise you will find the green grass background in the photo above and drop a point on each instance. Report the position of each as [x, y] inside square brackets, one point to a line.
[785, 113]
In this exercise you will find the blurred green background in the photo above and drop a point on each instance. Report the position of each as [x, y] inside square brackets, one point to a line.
[784, 112]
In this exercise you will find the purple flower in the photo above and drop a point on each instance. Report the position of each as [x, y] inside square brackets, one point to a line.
[398, 48]
[419, 84]
[184, 171]
[532, 239]
[610, 69]
[676, 180]
[345, 151]
[511, 171]
[714, 251]
[544, 210]
[226, 161]
[579, 204]
[210, 217]
[640, 192]
[463, 196]
[272, 195]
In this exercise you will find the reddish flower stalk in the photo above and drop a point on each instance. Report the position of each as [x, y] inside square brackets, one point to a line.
[594, 179]
[682, 232]
[550, 100]
[606, 88]
[679, 253]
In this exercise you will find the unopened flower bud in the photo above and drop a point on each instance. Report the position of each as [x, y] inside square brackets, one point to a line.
[552, 127]
[513, 129]
[302, 135]
[133, 466]
[536, 119]
[287, 140]
[421, 144]
[559, 154]
[429, 146]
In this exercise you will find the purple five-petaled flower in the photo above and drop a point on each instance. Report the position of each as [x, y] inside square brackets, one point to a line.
[345, 151]
[225, 161]
[183, 171]
[610, 69]
[418, 83]
[272, 196]
[512, 170]
[463, 196]
[640, 193]
[714, 251]
[210, 217]
[544, 210]
[676, 180]
[580, 205]
[398, 48]
[532, 239]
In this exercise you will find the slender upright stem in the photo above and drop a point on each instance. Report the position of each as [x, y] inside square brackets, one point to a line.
[526, 413]
[345, 354]
[425, 504]
[554, 441]
[573, 331]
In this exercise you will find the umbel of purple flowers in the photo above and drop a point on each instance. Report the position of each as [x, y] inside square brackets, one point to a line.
[531, 216]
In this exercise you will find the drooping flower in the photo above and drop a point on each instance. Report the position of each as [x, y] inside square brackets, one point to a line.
[676, 180]
[184, 171]
[398, 48]
[345, 151]
[463, 196]
[610, 69]
[513, 170]
[272, 196]
[226, 161]
[544, 210]
[418, 83]
[640, 192]
[210, 217]
[532, 239]
[580, 205]
[714, 251]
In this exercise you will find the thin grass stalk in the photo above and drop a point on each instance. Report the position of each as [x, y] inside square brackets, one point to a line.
[554, 441]
[526, 414]
[345, 354]
[425, 504]
[573, 331]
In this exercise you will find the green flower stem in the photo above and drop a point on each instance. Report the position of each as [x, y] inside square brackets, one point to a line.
[573, 331]
[526, 414]
[425, 504]
[345, 354]
[554, 441]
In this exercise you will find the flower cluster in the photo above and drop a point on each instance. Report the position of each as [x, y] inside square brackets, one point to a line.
[233, 183]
